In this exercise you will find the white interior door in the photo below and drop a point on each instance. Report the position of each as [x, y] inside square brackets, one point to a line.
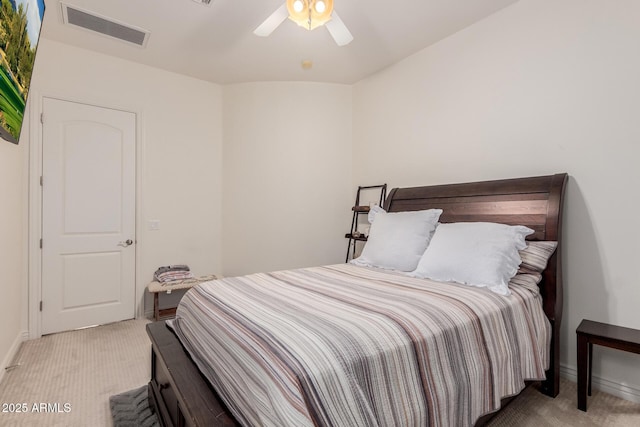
[88, 215]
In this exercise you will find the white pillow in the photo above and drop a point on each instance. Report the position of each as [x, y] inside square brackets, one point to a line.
[397, 240]
[474, 253]
[372, 213]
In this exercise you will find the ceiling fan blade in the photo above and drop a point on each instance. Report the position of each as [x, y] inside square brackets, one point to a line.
[338, 30]
[272, 22]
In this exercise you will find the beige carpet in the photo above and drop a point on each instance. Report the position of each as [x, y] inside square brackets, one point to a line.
[80, 368]
[83, 368]
[534, 409]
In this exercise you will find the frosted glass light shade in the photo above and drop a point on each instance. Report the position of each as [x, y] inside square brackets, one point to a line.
[312, 14]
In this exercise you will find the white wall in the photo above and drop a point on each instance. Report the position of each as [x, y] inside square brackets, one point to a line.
[180, 148]
[12, 246]
[543, 86]
[287, 175]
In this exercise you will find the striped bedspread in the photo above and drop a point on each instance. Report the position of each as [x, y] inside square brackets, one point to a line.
[344, 345]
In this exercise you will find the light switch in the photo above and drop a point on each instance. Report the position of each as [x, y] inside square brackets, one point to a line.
[154, 224]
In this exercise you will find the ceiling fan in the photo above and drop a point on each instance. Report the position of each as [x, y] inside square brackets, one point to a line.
[309, 14]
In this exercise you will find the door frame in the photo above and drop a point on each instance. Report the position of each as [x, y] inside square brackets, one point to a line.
[35, 161]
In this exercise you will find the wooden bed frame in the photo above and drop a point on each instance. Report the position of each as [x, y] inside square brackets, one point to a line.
[183, 397]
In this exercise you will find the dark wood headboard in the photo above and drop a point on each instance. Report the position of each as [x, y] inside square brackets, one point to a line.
[535, 202]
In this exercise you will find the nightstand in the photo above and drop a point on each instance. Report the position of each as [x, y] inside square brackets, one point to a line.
[590, 333]
[156, 288]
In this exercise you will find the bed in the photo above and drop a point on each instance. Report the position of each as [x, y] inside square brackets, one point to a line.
[183, 393]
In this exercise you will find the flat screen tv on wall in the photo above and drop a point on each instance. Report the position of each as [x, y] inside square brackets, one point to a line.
[20, 24]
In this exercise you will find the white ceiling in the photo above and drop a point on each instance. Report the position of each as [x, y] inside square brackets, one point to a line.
[216, 42]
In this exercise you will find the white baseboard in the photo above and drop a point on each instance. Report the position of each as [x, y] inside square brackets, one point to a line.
[620, 390]
[13, 350]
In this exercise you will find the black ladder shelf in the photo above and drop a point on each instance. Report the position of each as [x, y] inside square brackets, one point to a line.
[355, 236]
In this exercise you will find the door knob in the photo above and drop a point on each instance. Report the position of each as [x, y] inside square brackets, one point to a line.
[126, 243]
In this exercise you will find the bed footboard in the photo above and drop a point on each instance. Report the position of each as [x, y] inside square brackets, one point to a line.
[177, 390]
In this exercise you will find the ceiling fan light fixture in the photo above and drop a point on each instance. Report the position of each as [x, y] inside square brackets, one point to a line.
[298, 6]
[310, 14]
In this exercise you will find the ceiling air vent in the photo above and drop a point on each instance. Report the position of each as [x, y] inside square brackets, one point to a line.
[106, 26]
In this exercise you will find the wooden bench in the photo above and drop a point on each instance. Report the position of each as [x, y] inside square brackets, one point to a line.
[156, 288]
[589, 333]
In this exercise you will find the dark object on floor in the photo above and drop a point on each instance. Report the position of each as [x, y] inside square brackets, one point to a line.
[131, 409]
